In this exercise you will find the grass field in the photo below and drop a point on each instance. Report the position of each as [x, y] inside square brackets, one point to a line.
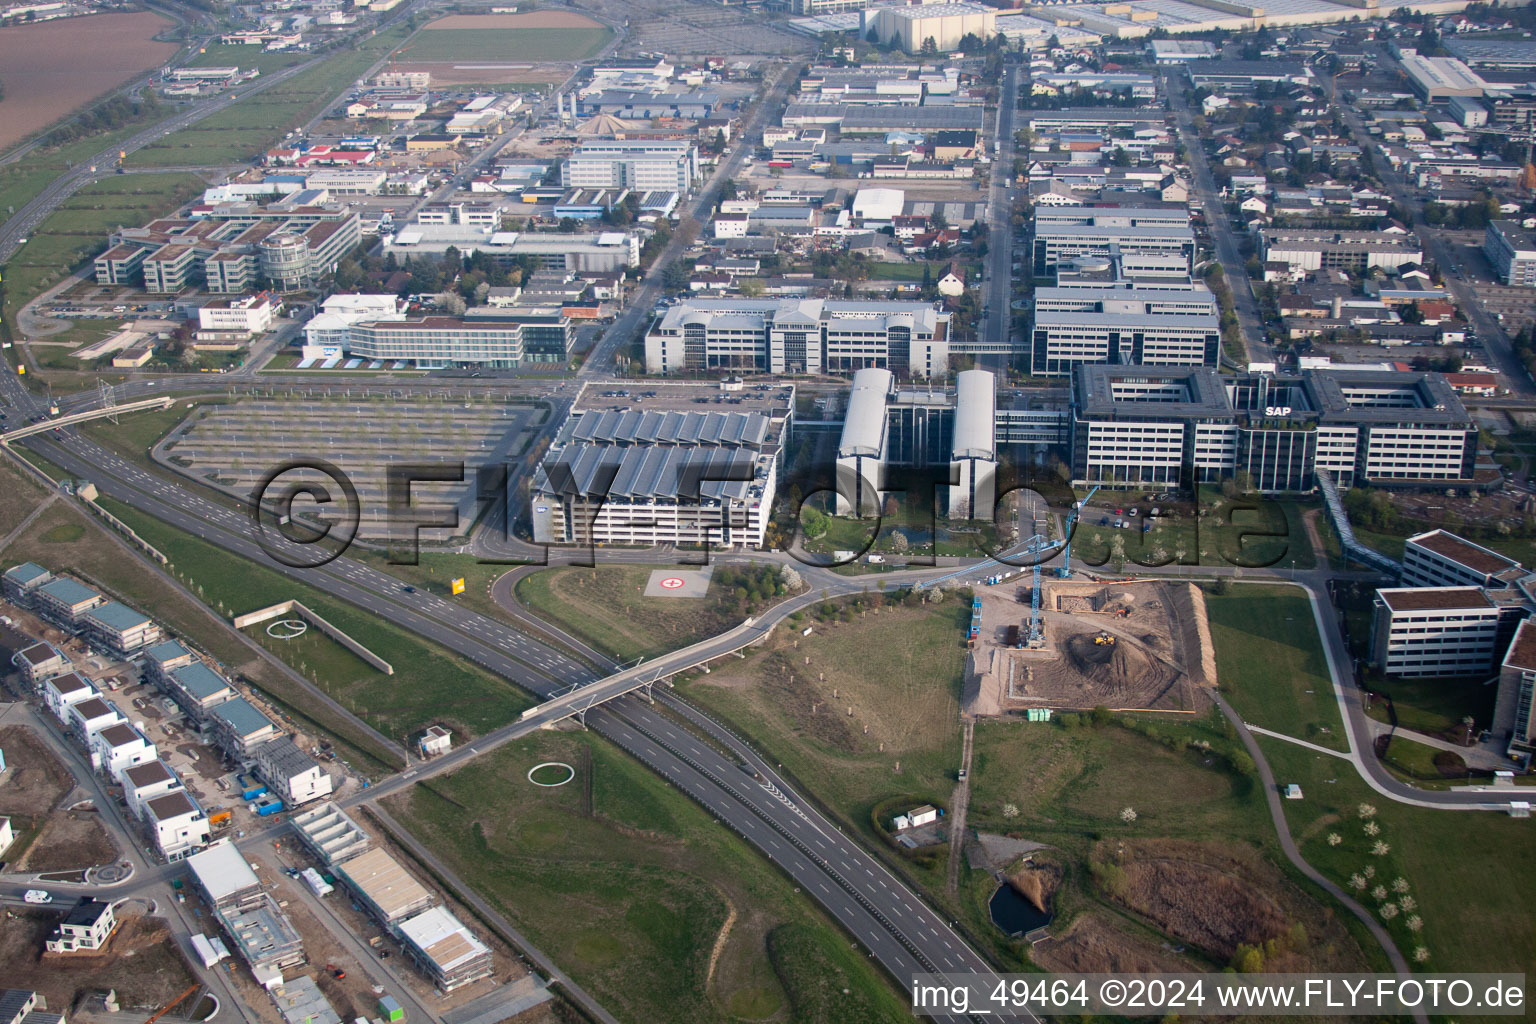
[78, 229]
[1472, 873]
[898, 668]
[20, 493]
[1069, 785]
[1248, 533]
[508, 44]
[1270, 662]
[606, 607]
[237, 55]
[631, 888]
[1436, 706]
[21, 181]
[89, 552]
[242, 131]
[429, 685]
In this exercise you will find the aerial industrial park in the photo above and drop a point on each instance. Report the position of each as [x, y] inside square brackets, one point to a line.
[797, 511]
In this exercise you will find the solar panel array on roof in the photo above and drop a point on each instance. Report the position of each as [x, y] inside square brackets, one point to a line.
[636, 426]
[583, 470]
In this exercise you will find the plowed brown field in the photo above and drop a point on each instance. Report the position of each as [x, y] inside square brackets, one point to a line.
[53, 68]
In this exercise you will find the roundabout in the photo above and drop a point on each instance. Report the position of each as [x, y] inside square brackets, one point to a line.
[570, 774]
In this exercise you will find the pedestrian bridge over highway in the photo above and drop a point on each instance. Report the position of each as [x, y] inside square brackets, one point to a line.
[644, 677]
[162, 402]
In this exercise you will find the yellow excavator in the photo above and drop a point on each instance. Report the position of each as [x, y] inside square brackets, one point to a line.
[1105, 640]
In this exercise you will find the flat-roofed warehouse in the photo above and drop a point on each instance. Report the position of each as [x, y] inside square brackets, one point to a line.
[1440, 78]
[384, 887]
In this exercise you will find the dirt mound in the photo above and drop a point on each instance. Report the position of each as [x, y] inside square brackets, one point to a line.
[1117, 666]
[1093, 945]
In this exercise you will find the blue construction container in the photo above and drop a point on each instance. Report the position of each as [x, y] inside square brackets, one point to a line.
[272, 808]
[252, 794]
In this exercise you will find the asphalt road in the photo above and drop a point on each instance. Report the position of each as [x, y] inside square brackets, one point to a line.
[889, 920]
[1495, 341]
[630, 323]
[26, 219]
[1220, 225]
[999, 283]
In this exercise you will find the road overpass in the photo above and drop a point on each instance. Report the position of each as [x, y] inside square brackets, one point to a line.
[84, 417]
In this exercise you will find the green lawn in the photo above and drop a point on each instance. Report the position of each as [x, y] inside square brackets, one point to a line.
[628, 886]
[606, 607]
[429, 685]
[78, 229]
[508, 44]
[1437, 706]
[1270, 663]
[1248, 532]
[242, 131]
[1420, 764]
[1388, 544]
[1473, 873]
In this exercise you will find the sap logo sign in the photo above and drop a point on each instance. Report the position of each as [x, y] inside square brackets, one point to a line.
[1277, 410]
[542, 508]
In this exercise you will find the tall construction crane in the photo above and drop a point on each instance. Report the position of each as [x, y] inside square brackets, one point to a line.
[1065, 572]
[170, 1005]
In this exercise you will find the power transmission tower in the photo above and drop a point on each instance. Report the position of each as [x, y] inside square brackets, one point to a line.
[108, 398]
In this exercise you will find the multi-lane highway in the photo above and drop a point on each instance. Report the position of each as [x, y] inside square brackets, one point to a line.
[892, 922]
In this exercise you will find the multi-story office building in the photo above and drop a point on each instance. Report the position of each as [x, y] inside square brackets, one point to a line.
[64, 601]
[547, 331]
[885, 429]
[445, 950]
[603, 252]
[119, 630]
[1434, 631]
[668, 473]
[19, 582]
[1156, 425]
[641, 164]
[292, 243]
[1160, 235]
[1511, 249]
[1441, 559]
[911, 339]
[495, 337]
[1517, 691]
[290, 772]
[1060, 340]
[1338, 250]
[811, 7]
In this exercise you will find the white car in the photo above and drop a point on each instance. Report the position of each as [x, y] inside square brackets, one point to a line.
[37, 896]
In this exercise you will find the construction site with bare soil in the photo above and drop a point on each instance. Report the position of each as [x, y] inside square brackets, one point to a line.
[1127, 646]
